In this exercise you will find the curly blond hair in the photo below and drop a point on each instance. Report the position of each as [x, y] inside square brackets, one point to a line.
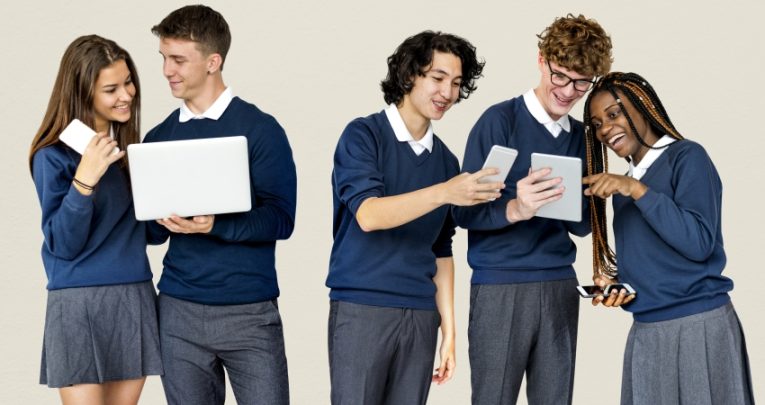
[578, 44]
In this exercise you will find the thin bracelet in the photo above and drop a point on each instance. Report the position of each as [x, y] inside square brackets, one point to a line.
[83, 185]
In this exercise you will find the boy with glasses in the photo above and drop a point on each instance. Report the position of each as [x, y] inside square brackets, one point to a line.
[524, 308]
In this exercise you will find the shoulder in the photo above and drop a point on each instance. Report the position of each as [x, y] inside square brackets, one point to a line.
[163, 126]
[369, 128]
[687, 149]
[503, 109]
[686, 156]
[577, 127]
[56, 157]
[250, 112]
[56, 154]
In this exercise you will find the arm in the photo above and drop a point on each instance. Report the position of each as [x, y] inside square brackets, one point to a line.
[491, 129]
[67, 208]
[444, 280]
[378, 213]
[274, 181]
[156, 234]
[359, 184]
[688, 220]
[519, 200]
[584, 227]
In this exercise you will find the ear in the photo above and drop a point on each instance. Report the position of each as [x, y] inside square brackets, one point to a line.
[541, 62]
[214, 61]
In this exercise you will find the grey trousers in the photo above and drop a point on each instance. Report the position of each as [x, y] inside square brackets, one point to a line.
[523, 328]
[199, 341]
[380, 355]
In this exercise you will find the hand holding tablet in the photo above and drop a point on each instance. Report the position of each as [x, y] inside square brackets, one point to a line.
[569, 170]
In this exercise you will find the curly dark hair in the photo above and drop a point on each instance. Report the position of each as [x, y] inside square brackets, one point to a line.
[413, 57]
[200, 24]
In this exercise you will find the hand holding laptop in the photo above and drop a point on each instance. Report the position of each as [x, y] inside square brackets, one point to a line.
[173, 180]
[198, 224]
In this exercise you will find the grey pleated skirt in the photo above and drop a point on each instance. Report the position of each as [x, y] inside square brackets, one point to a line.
[699, 359]
[99, 334]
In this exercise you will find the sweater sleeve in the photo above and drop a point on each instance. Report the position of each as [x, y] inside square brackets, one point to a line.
[66, 214]
[274, 184]
[443, 245]
[491, 129]
[688, 221]
[356, 173]
[156, 234]
[583, 227]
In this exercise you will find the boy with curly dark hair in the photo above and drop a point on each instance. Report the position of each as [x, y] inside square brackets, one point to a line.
[391, 271]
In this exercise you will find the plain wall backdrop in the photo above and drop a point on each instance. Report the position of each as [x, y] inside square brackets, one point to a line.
[316, 65]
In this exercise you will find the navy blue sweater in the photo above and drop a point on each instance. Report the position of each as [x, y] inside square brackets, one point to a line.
[89, 240]
[539, 249]
[393, 267]
[234, 263]
[669, 242]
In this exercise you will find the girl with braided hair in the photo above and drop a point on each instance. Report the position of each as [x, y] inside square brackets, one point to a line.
[686, 344]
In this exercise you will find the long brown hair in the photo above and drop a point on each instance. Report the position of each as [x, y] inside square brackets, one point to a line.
[643, 97]
[73, 92]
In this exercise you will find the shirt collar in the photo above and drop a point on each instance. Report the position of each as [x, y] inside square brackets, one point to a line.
[539, 113]
[402, 133]
[638, 171]
[214, 112]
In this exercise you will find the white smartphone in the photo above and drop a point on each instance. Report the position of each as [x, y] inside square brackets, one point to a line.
[592, 291]
[77, 136]
[501, 158]
[569, 207]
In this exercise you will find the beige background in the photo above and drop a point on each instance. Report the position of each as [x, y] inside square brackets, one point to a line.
[315, 66]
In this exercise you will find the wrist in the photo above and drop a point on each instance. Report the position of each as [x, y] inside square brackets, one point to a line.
[638, 190]
[511, 213]
[86, 178]
[440, 194]
[82, 188]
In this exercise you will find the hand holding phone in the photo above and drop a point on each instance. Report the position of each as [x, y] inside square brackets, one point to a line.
[592, 291]
[501, 158]
[77, 136]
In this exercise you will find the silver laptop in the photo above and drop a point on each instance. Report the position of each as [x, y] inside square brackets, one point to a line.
[188, 178]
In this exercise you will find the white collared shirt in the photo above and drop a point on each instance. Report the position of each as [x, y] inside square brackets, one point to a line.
[403, 135]
[636, 172]
[214, 112]
[539, 113]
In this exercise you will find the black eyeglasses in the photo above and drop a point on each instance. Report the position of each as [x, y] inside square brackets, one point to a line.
[562, 80]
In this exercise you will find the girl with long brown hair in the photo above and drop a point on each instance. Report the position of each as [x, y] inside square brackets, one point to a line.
[100, 338]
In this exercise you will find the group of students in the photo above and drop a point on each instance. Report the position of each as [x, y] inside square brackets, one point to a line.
[398, 195]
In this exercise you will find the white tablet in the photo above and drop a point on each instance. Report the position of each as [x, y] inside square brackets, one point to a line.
[569, 207]
[189, 178]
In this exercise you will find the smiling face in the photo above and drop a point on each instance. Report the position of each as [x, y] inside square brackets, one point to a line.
[185, 67]
[113, 94]
[611, 127]
[557, 100]
[435, 92]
